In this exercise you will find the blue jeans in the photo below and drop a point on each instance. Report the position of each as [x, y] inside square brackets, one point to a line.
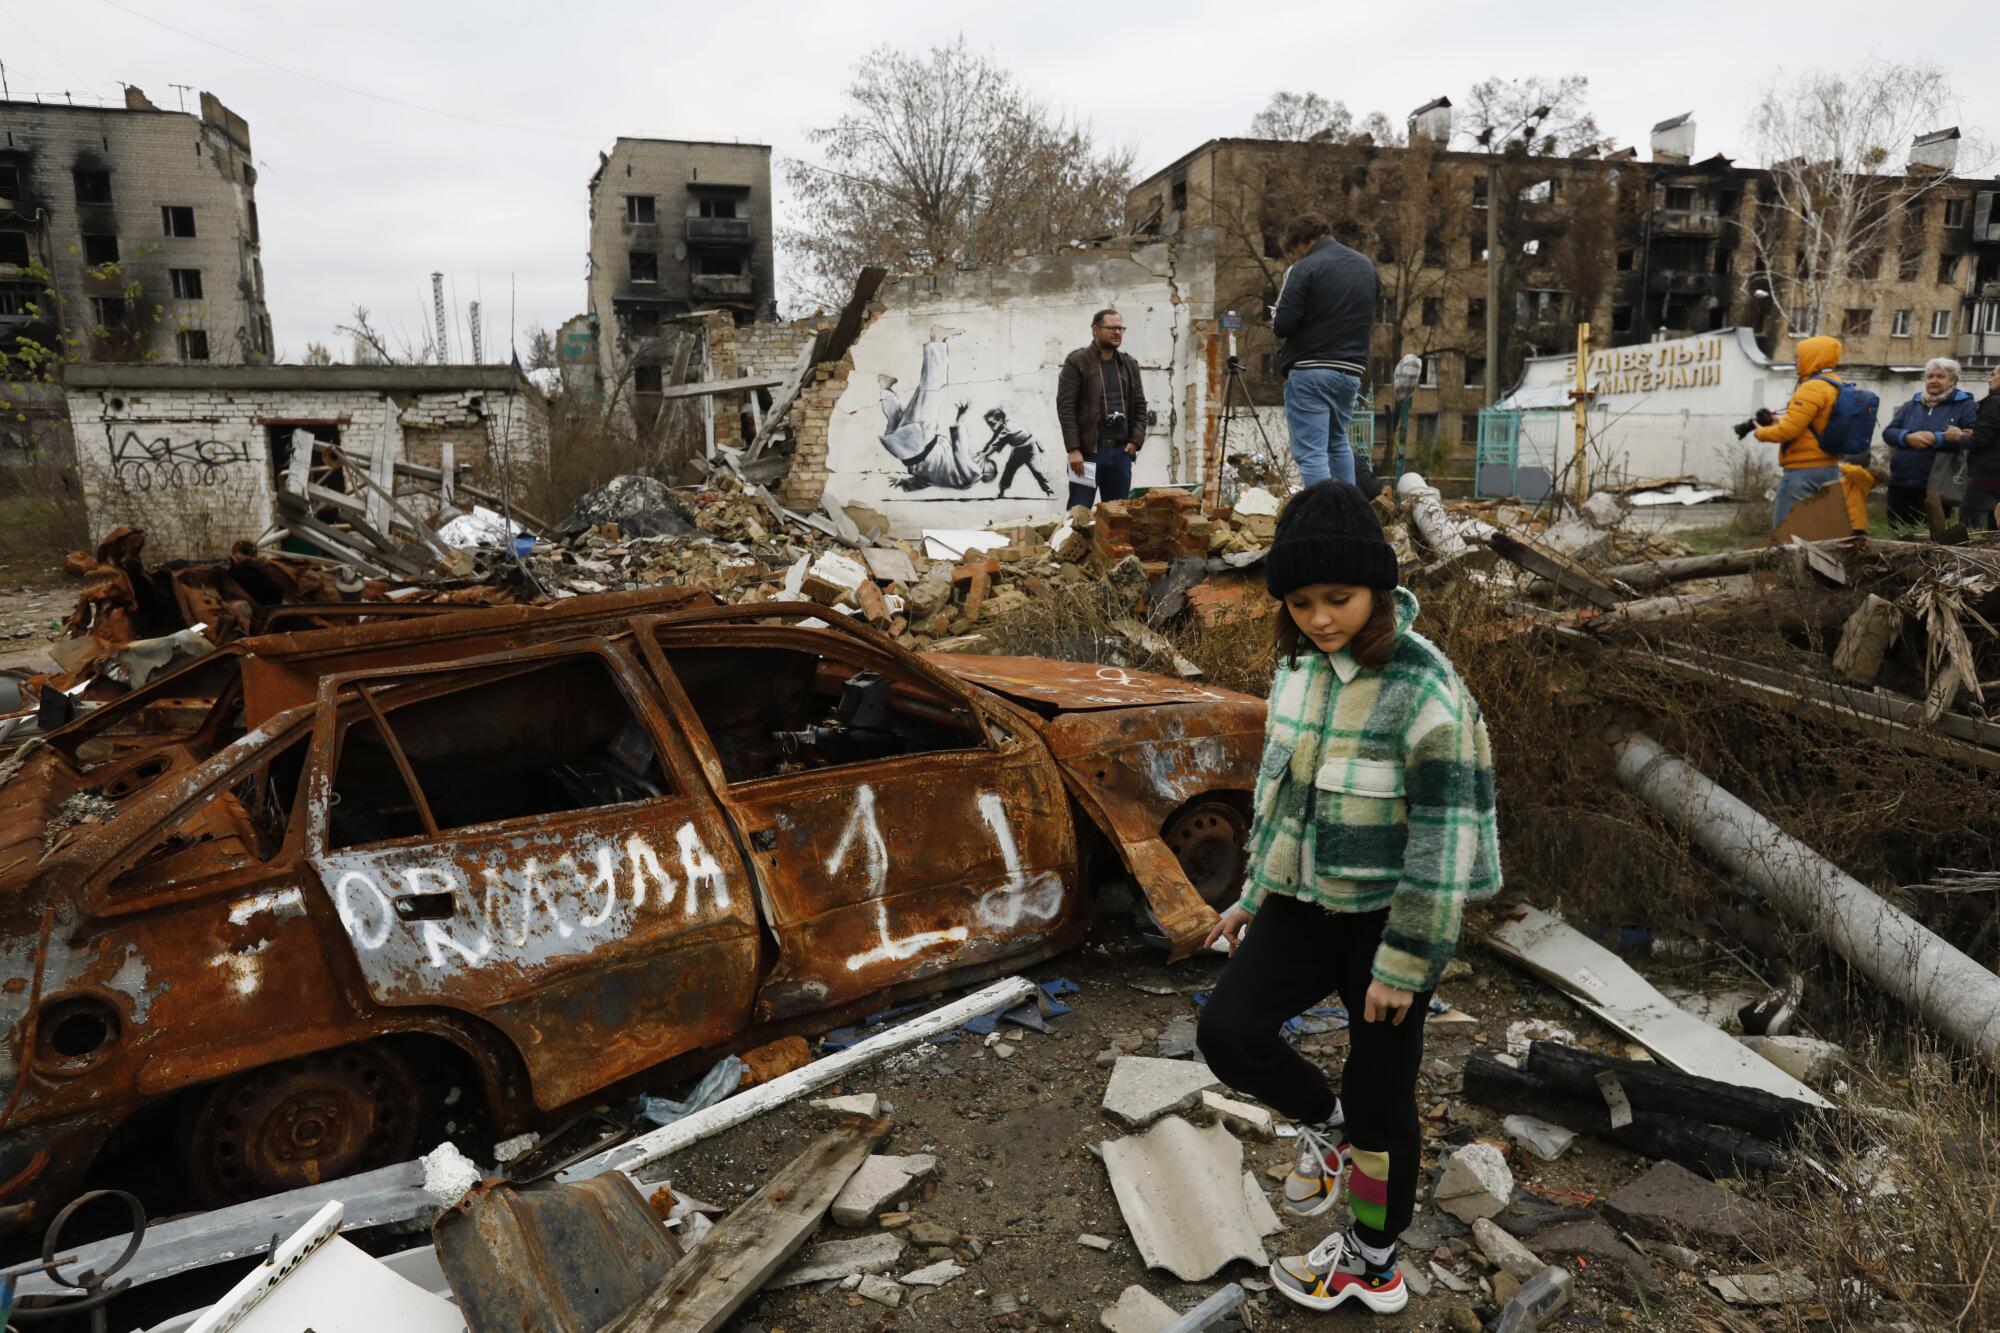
[1318, 405]
[1114, 477]
[1796, 484]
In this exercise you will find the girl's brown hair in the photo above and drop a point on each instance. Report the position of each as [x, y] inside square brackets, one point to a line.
[1371, 647]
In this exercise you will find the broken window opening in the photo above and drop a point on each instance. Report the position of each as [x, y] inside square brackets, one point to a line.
[1856, 322]
[1947, 268]
[1954, 213]
[19, 301]
[808, 711]
[14, 248]
[640, 211]
[1468, 427]
[110, 312]
[642, 323]
[186, 283]
[1475, 372]
[520, 741]
[177, 219]
[718, 208]
[1433, 311]
[99, 250]
[647, 379]
[722, 265]
[10, 181]
[247, 821]
[1680, 198]
[645, 268]
[92, 186]
[192, 344]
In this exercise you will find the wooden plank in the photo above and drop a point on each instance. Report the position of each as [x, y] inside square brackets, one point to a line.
[708, 388]
[794, 386]
[383, 463]
[454, 562]
[1673, 606]
[1655, 1087]
[1557, 569]
[733, 1111]
[298, 467]
[731, 1264]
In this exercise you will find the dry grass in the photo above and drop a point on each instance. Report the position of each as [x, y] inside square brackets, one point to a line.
[41, 514]
[1893, 1219]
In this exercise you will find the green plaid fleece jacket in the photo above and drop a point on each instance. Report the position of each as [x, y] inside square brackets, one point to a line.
[1376, 790]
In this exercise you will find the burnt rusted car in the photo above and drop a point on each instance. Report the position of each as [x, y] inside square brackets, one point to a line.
[317, 896]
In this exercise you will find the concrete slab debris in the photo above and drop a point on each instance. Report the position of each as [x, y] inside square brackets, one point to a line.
[1599, 1244]
[1138, 1311]
[1143, 1089]
[1765, 1289]
[1449, 1280]
[842, 1258]
[861, 1103]
[1669, 1202]
[1181, 1191]
[1240, 1117]
[881, 1181]
[935, 1275]
[1510, 1256]
[1539, 1137]
[1476, 1182]
[448, 1173]
[1257, 1206]
[1091, 1242]
[881, 1290]
[1807, 1059]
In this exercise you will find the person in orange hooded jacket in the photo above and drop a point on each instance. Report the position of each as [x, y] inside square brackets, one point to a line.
[1803, 466]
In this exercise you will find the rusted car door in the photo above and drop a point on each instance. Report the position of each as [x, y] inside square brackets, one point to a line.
[938, 839]
[525, 838]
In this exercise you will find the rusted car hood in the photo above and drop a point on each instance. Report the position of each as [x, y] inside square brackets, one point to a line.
[1077, 686]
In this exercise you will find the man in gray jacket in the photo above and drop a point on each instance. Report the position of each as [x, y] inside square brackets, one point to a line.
[1324, 313]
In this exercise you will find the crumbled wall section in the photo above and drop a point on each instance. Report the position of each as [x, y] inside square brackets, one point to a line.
[192, 466]
[810, 418]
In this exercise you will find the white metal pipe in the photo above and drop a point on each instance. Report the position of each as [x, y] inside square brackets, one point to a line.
[1953, 994]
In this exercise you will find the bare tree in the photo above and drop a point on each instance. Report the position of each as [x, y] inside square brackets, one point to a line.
[371, 345]
[541, 349]
[317, 355]
[1303, 117]
[939, 158]
[1833, 144]
[1495, 112]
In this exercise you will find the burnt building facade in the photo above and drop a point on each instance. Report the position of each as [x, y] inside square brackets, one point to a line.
[676, 226]
[1641, 249]
[128, 234]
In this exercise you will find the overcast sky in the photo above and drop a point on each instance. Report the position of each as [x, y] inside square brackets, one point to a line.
[361, 198]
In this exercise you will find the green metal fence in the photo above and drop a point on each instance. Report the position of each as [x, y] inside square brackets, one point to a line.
[1517, 453]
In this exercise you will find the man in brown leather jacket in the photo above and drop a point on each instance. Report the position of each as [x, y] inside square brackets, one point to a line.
[1102, 408]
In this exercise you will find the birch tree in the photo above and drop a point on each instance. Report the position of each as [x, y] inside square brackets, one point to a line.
[1836, 148]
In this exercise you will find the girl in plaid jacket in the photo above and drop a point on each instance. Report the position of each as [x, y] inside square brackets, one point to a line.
[1373, 829]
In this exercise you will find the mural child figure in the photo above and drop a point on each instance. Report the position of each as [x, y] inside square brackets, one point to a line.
[932, 460]
[1020, 448]
[1374, 829]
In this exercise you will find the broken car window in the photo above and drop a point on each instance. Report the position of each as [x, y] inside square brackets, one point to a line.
[770, 711]
[509, 742]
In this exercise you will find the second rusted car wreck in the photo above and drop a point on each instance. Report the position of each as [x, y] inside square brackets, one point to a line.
[316, 896]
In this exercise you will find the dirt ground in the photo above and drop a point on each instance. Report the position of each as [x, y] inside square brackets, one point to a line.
[34, 599]
[1018, 1183]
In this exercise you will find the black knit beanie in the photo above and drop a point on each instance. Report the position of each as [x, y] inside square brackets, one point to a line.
[1328, 533]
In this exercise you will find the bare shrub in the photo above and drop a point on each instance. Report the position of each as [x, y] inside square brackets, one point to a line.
[585, 451]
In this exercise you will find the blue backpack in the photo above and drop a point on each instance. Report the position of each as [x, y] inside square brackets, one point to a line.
[1850, 427]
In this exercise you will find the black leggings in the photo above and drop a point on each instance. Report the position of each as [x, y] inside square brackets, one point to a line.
[1292, 957]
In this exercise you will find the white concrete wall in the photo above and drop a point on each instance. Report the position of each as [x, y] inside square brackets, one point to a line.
[1004, 334]
[193, 466]
[1665, 409]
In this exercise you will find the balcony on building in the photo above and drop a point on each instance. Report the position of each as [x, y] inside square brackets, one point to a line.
[1686, 222]
[722, 286]
[719, 231]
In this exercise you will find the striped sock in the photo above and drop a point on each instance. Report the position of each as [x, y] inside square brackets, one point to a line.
[1368, 1188]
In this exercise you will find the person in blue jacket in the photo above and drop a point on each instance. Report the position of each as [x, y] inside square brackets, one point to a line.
[1936, 421]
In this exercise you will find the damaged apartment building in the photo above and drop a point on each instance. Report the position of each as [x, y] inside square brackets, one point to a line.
[128, 234]
[1642, 250]
[677, 228]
